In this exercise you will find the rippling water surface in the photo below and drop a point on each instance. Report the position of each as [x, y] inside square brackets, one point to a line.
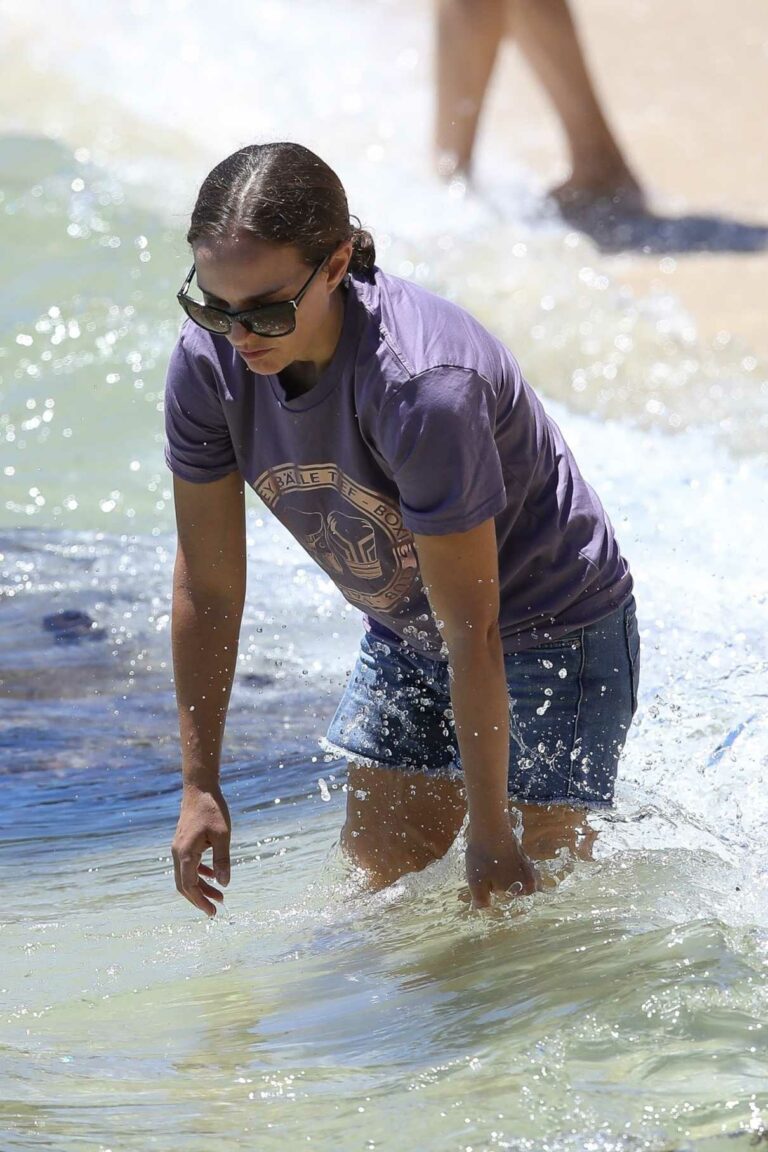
[625, 1009]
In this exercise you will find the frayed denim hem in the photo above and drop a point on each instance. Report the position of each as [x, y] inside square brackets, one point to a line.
[449, 772]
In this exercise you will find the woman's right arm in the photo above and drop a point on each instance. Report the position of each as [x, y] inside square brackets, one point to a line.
[208, 597]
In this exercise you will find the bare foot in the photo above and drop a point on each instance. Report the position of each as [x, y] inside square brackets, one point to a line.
[576, 198]
[609, 215]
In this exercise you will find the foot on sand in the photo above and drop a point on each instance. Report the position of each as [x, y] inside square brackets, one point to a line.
[576, 199]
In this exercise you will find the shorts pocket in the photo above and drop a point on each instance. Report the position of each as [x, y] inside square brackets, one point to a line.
[569, 643]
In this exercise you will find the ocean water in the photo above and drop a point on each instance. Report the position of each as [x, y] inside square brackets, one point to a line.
[625, 1009]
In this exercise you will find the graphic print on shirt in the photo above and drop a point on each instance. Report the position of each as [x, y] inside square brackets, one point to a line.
[355, 534]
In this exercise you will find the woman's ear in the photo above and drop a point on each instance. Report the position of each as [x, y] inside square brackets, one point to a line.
[338, 264]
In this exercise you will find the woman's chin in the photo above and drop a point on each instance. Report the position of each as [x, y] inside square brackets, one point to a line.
[262, 363]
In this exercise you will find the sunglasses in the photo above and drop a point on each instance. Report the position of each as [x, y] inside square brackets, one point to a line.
[268, 320]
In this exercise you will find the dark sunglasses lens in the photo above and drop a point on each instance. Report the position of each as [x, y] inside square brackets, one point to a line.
[206, 317]
[271, 320]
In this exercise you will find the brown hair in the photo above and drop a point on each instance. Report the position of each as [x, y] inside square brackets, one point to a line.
[282, 193]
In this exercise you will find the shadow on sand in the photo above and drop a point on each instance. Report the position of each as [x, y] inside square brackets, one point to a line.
[651, 233]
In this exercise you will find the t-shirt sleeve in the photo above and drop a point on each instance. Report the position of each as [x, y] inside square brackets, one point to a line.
[198, 445]
[436, 434]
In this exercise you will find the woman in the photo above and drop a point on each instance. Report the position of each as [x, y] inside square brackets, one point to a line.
[397, 440]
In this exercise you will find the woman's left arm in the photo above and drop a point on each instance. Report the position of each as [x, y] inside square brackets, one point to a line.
[461, 576]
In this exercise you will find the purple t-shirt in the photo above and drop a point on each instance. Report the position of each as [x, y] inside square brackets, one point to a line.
[422, 423]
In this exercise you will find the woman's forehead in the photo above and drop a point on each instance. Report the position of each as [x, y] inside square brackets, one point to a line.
[237, 270]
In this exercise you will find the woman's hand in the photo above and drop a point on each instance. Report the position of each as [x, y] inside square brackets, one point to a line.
[497, 864]
[203, 823]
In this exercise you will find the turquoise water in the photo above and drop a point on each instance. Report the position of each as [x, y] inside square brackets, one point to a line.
[624, 1010]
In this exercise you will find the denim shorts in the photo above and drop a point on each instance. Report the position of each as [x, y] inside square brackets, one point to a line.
[571, 702]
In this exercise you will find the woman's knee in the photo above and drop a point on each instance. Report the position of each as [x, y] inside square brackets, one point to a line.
[398, 822]
[548, 828]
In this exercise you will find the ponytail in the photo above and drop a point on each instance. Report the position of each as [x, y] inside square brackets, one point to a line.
[363, 251]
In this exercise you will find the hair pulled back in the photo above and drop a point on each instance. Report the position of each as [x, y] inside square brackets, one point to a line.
[284, 194]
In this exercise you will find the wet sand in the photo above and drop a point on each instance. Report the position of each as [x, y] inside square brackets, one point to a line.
[684, 91]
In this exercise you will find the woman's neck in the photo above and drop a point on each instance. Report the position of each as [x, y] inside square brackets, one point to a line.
[301, 376]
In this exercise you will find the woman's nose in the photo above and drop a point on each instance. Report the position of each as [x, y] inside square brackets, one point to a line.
[238, 334]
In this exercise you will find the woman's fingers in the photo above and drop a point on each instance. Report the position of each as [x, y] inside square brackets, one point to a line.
[209, 891]
[189, 884]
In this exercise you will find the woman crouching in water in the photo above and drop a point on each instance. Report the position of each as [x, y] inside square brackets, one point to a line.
[397, 440]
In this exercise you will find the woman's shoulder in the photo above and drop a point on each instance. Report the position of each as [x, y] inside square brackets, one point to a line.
[425, 332]
[195, 343]
[200, 357]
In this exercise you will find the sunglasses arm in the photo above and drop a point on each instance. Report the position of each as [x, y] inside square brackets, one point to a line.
[183, 290]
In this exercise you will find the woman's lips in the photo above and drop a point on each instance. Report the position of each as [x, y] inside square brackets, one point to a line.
[255, 355]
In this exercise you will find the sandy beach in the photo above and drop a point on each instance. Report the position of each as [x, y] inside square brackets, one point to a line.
[683, 90]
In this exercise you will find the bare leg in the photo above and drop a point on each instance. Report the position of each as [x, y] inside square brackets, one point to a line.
[549, 827]
[548, 38]
[468, 36]
[399, 822]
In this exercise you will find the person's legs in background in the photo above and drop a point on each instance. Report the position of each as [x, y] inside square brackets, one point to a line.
[468, 36]
[549, 41]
